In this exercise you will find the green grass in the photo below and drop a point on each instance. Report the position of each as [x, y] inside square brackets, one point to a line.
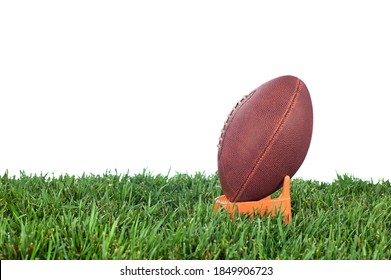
[113, 216]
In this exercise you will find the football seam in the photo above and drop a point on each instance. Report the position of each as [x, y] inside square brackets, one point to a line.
[271, 141]
[231, 117]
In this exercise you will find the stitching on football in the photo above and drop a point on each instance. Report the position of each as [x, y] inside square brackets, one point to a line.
[231, 116]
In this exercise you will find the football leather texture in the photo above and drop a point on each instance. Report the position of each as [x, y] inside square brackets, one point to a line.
[266, 137]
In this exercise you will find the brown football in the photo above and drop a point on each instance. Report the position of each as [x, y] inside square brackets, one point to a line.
[265, 138]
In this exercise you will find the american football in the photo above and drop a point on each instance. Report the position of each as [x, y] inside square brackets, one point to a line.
[266, 137]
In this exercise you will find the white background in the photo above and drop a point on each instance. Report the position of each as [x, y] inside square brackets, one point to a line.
[90, 86]
[303, 270]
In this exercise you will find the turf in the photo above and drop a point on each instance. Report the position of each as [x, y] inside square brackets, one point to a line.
[145, 216]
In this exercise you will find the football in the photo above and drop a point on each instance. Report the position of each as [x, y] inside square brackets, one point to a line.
[266, 137]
